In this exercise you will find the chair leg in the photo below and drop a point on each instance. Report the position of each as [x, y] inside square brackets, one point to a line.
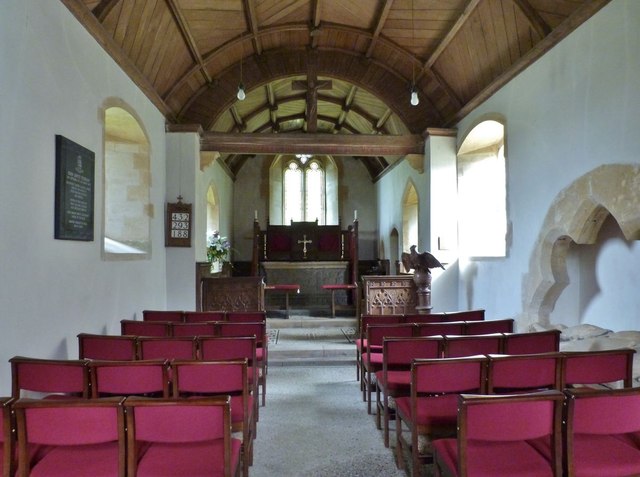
[399, 456]
[378, 414]
[415, 453]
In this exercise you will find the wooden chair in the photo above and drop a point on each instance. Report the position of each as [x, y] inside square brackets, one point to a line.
[488, 327]
[199, 316]
[49, 377]
[602, 434]
[532, 343]
[259, 330]
[181, 437]
[431, 410]
[361, 341]
[468, 345]
[464, 315]
[115, 347]
[180, 347]
[524, 373]
[175, 316]
[231, 349]
[517, 435]
[395, 378]
[438, 329]
[81, 437]
[372, 359]
[129, 378]
[221, 378]
[424, 318]
[7, 441]
[598, 368]
[145, 328]
[201, 328]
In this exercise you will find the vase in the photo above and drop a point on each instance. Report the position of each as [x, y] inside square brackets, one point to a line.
[216, 266]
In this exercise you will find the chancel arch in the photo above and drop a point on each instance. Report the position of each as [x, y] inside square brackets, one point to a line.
[409, 217]
[127, 180]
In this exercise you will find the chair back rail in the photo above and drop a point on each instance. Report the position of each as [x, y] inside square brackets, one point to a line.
[145, 328]
[116, 347]
[175, 316]
[49, 376]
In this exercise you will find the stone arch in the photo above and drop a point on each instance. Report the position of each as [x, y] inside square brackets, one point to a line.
[576, 215]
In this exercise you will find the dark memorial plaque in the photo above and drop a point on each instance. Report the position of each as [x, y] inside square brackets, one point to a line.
[75, 184]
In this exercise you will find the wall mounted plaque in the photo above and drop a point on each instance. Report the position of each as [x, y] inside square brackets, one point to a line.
[74, 191]
[178, 225]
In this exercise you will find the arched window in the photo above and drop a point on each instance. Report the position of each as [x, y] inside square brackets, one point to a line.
[304, 192]
[410, 218]
[127, 179]
[213, 211]
[482, 192]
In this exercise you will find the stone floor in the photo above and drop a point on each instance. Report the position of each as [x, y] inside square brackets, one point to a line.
[315, 422]
[305, 340]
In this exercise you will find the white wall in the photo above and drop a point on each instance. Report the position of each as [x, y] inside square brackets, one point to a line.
[571, 111]
[436, 186]
[55, 78]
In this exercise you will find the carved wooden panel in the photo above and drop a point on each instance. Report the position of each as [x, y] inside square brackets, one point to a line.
[233, 294]
[389, 294]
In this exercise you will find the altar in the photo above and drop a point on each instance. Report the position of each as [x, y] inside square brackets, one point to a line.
[310, 255]
[310, 275]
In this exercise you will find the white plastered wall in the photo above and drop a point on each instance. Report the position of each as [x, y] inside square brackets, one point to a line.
[571, 112]
[55, 80]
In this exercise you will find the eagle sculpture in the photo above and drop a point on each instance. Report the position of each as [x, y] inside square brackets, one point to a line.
[419, 261]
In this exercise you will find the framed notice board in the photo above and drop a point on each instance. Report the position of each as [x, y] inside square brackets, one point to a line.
[75, 184]
[178, 225]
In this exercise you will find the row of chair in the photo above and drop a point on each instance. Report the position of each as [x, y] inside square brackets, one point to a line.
[373, 340]
[119, 437]
[451, 346]
[171, 328]
[576, 433]
[439, 317]
[150, 378]
[409, 366]
[180, 316]
[234, 343]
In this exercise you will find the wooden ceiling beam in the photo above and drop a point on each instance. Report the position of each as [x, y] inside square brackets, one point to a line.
[102, 10]
[252, 21]
[333, 144]
[382, 19]
[462, 19]
[537, 22]
[315, 23]
[185, 31]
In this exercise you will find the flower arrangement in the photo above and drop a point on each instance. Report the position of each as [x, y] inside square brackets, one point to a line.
[217, 248]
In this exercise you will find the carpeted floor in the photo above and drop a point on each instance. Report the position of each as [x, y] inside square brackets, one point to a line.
[315, 424]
